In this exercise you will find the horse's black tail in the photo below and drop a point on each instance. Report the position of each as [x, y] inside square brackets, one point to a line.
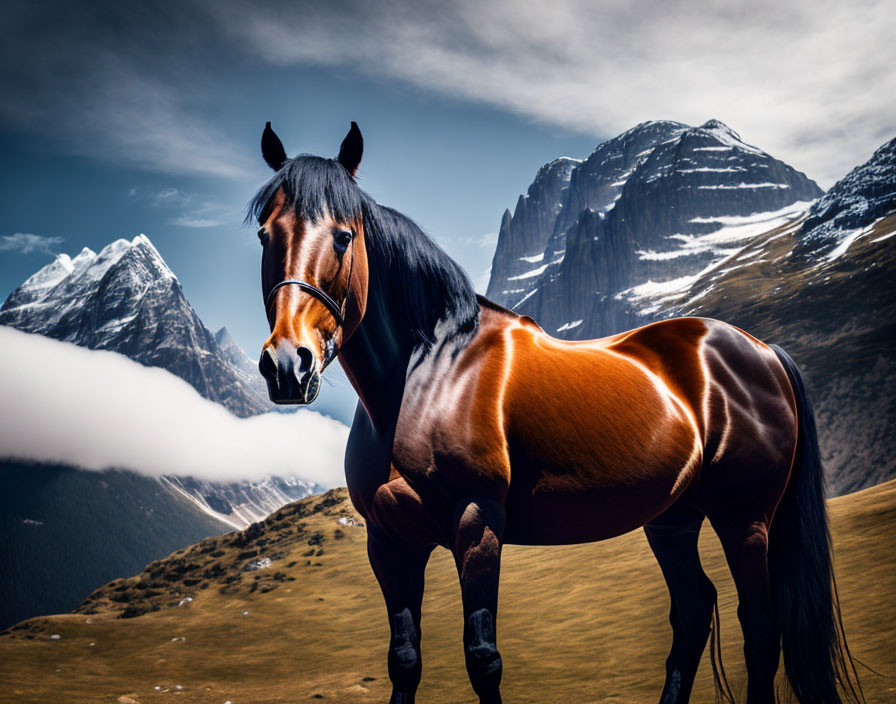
[816, 658]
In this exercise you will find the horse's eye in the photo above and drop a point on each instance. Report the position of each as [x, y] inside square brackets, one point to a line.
[342, 239]
[263, 235]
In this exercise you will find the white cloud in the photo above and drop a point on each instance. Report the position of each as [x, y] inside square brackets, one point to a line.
[171, 197]
[486, 241]
[99, 410]
[26, 243]
[810, 81]
[189, 221]
[196, 212]
[207, 213]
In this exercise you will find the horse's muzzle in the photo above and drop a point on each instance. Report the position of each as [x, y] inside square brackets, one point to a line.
[290, 375]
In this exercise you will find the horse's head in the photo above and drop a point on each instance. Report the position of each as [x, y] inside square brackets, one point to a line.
[314, 265]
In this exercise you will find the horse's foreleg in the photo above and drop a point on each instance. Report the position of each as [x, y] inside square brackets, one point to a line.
[477, 552]
[673, 539]
[399, 570]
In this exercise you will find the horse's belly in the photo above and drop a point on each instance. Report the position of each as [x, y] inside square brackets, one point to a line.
[587, 515]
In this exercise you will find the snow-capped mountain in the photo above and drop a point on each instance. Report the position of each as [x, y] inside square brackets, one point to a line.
[244, 366]
[865, 195]
[814, 277]
[660, 202]
[245, 502]
[822, 288]
[126, 299]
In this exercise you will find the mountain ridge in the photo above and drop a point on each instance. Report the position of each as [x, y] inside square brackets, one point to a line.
[603, 238]
[126, 299]
[812, 276]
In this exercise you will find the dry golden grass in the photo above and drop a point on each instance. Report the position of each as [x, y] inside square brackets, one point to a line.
[577, 624]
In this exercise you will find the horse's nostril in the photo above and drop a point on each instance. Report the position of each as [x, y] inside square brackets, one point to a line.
[267, 365]
[306, 359]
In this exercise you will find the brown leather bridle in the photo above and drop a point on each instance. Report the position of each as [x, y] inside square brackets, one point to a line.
[337, 310]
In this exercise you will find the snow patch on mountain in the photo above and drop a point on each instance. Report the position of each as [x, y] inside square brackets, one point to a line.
[658, 204]
[570, 325]
[726, 244]
[847, 239]
[244, 502]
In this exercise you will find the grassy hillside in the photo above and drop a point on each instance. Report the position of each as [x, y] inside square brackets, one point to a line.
[583, 623]
[66, 531]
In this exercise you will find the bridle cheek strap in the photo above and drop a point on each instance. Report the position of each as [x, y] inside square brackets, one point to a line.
[336, 309]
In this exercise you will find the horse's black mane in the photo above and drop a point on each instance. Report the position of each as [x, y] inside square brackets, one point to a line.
[426, 283]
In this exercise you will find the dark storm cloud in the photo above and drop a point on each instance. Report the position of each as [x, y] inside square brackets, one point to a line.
[117, 80]
[811, 81]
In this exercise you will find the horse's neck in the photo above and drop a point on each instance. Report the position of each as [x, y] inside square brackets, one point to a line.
[375, 359]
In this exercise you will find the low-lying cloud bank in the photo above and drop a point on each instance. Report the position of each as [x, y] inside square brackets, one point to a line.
[100, 410]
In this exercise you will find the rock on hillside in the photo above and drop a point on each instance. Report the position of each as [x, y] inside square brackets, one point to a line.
[253, 559]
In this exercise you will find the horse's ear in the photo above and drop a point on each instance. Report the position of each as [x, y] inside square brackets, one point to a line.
[272, 148]
[351, 149]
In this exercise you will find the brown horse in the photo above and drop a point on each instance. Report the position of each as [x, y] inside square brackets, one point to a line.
[475, 428]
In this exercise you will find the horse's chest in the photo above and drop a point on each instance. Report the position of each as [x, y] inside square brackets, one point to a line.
[412, 448]
[444, 448]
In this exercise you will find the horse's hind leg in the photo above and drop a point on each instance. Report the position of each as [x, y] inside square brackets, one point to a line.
[477, 553]
[745, 543]
[399, 570]
[673, 539]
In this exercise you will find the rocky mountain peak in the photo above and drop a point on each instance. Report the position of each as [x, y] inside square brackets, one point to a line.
[558, 169]
[240, 361]
[865, 195]
[126, 299]
[224, 338]
[642, 203]
[51, 274]
[722, 133]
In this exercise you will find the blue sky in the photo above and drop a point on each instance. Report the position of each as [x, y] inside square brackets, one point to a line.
[117, 121]
[453, 165]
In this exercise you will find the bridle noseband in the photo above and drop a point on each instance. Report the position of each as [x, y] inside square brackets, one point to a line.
[321, 295]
